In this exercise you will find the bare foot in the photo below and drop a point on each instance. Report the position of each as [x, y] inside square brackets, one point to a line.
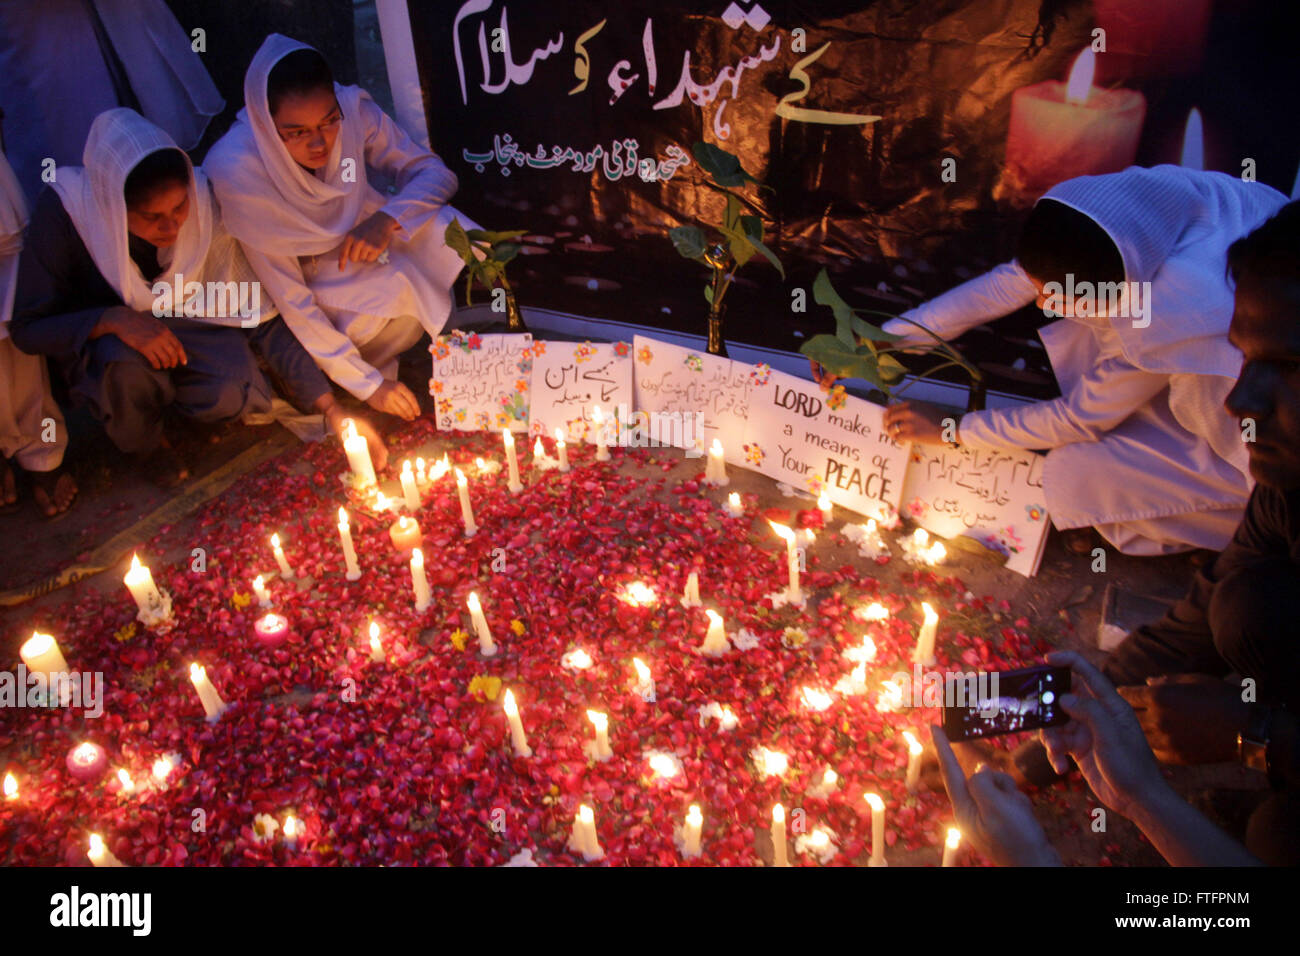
[54, 492]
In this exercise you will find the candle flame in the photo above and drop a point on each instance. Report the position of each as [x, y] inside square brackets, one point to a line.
[349, 429]
[714, 617]
[96, 846]
[1078, 87]
[929, 614]
[508, 702]
[577, 659]
[135, 562]
[343, 518]
[814, 698]
[473, 602]
[381, 502]
[374, 630]
[824, 501]
[920, 538]
[778, 813]
[642, 672]
[830, 778]
[419, 465]
[599, 720]
[715, 448]
[292, 827]
[663, 765]
[818, 839]
[596, 415]
[876, 611]
[125, 780]
[197, 673]
[585, 815]
[508, 438]
[406, 470]
[275, 541]
[638, 594]
[733, 499]
[876, 803]
[782, 530]
[559, 436]
[891, 697]
[403, 522]
[954, 838]
[693, 816]
[774, 763]
[936, 554]
[460, 477]
[538, 450]
[37, 644]
[913, 745]
[1193, 142]
[11, 787]
[417, 558]
[162, 767]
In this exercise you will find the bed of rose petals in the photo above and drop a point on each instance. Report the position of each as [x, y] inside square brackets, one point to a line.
[409, 761]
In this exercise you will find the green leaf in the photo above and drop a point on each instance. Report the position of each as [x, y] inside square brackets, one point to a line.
[688, 241]
[492, 238]
[731, 220]
[892, 370]
[723, 166]
[752, 226]
[459, 241]
[708, 294]
[505, 251]
[768, 254]
[842, 361]
[871, 333]
[739, 197]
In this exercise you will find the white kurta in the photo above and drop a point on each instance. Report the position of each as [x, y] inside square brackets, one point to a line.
[1140, 444]
[292, 225]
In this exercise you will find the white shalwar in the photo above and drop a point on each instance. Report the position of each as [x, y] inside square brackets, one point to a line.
[1141, 446]
[292, 224]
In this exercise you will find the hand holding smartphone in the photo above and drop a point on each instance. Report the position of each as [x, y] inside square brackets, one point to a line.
[1004, 702]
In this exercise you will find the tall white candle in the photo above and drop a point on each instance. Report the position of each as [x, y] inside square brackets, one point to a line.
[517, 738]
[824, 506]
[512, 462]
[715, 641]
[349, 552]
[140, 582]
[212, 703]
[715, 471]
[583, 838]
[950, 846]
[692, 596]
[358, 451]
[421, 479]
[779, 857]
[418, 580]
[280, 559]
[487, 647]
[691, 832]
[794, 593]
[376, 648]
[99, 854]
[409, 490]
[561, 450]
[42, 655]
[598, 420]
[259, 588]
[877, 830]
[602, 749]
[914, 751]
[924, 654]
[466, 511]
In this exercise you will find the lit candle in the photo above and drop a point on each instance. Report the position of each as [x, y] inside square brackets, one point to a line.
[602, 449]
[409, 490]
[733, 507]
[715, 641]
[125, 781]
[562, 450]
[692, 596]
[824, 506]
[41, 654]
[405, 534]
[293, 828]
[891, 697]
[486, 467]
[87, 761]
[877, 831]
[517, 737]
[381, 501]
[601, 750]
[779, 857]
[376, 648]
[213, 705]
[1062, 130]
[715, 470]
[10, 787]
[794, 594]
[466, 512]
[914, 751]
[950, 846]
[421, 479]
[1193, 156]
[691, 832]
[271, 629]
[644, 685]
[285, 570]
[487, 647]
[349, 552]
[539, 453]
[419, 582]
[583, 839]
[358, 452]
[259, 588]
[99, 854]
[512, 462]
[937, 554]
[162, 768]
[140, 582]
[924, 654]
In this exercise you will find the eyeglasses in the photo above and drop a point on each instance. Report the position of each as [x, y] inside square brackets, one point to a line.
[302, 134]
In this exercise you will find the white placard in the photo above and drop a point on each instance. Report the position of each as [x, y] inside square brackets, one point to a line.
[572, 378]
[813, 441]
[480, 382]
[992, 495]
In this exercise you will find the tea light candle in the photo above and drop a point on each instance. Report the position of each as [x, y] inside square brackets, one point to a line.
[42, 655]
[517, 738]
[213, 705]
[140, 582]
[376, 648]
[162, 768]
[487, 647]
[358, 452]
[87, 761]
[466, 512]
[419, 582]
[601, 750]
[285, 570]
[779, 857]
[409, 490]
[691, 598]
[292, 829]
[877, 830]
[271, 629]
[691, 832]
[259, 588]
[733, 507]
[950, 847]
[924, 654]
[512, 462]
[715, 641]
[598, 419]
[405, 534]
[914, 751]
[715, 470]
[99, 854]
[561, 450]
[349, 552]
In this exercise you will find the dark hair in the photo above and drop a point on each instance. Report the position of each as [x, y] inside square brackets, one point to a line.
[162, 167]
[296, 73]
[1270, 252]
[1058, 239]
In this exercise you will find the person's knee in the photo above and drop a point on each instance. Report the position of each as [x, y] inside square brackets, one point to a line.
[1273, 833]
[1251, 613]
[130, 402]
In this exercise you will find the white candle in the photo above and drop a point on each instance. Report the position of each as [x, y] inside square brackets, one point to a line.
[779, 857]
[715, 471]
[285, 570]
[692, 595]
[924, 654]
[358, 452]
[715, 641]
[517, 738]
[733, 507]
[487, 647]
[293, 828]
[512, 462]
[349, 552]
[561, 450]
[421, 479]
[124, 778]
[920, 540]
[583, 838]
[213, 705]
[877, 831]
[466, 511]
[376, 648]
[10, 787]
[259, 588]
[795, 593]
[914, 751]
[602, 449]
[381, 501]
[824, 505]
[601, 750]
[409, 490]
[691, 832]
[644, 685]
[41, 654]
[950, 847]
[99, 854]
[140, 582]
[418, 580]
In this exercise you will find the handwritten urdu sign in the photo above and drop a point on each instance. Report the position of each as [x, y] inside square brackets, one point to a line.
[480, 382]
[992, 495]
[570, 379]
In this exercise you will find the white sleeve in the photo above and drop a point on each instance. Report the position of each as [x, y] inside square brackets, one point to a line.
[424, 182]
[990, 296]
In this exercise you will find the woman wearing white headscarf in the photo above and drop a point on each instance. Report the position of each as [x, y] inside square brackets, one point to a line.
[1142, 447]
[356, 276]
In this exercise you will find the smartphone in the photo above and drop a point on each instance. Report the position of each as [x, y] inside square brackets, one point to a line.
[1004, 702]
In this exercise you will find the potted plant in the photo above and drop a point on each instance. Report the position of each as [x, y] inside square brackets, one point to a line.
[728, 245]
[859, 349]
[486, 254]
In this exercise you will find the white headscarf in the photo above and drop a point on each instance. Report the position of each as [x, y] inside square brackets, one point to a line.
[277, 206]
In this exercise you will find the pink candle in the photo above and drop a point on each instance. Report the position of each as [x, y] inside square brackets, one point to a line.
[1062, 130]
[87, 761]
[405, 532]
[271, 629]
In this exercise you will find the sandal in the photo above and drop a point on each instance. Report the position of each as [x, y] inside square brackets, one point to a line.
[46, 483]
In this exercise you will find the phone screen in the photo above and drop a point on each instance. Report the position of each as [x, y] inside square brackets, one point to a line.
[1004, 702]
